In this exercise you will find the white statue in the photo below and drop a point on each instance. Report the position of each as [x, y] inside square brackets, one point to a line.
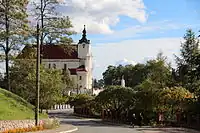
[123, 82]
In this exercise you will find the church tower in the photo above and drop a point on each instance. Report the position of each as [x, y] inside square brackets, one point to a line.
[85, 56]
[84, 45]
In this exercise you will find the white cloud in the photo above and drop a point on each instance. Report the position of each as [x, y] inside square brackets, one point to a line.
[99, 15]
[134, 50]
[138, 30]
[125, 62]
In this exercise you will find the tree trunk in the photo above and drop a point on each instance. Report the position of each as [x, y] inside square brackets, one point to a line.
[7, 47]
[7, 72]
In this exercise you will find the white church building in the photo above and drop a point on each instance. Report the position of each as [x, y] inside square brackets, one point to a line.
[78, 62]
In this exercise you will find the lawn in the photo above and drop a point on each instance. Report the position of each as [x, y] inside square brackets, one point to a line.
[13, 107]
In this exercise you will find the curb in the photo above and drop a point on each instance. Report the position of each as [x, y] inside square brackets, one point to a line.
[69, 131]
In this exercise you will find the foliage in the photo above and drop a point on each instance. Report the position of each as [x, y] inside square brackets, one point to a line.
[51, 123]
[23, 74]
[172, 99]
[12, 29]
[98, 83]
[55, 27]
[14, 107]
[116, 98]
[80, 100]
[188, 61]
[68, 82]
[156, 69]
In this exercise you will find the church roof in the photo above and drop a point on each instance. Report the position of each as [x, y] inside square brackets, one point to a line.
[53, 51]
[59, 52]
[73, 71]
[84, 38]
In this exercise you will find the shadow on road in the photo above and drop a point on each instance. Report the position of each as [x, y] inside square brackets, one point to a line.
[167, 130]
[68, 118]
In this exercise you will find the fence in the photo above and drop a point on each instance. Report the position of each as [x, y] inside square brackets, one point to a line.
[62, 106]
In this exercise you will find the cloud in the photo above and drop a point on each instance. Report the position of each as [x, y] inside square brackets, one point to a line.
[139, 30]
[100, 15]
[133, 50]
[125, 62]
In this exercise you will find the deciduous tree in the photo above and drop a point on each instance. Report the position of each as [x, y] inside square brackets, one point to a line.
[13, 26]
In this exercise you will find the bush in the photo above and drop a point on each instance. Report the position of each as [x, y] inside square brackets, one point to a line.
[51, 123]
[80, 100]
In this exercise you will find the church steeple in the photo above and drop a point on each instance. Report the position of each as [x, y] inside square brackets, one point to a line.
[84, 38]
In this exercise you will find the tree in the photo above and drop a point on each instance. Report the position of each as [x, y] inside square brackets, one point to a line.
[187, 62]
[117, 99]
[54, 26]
[68, 82]
[109, 75]
[98, 83]
[172, 99]
[159, 72]
[13, 24]
[23, 77]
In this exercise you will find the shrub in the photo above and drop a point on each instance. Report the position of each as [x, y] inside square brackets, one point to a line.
[51, 123]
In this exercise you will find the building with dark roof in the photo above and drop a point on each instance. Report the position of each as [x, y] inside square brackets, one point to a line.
[76, 58]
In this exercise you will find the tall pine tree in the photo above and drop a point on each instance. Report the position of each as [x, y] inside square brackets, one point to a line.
[186, 63]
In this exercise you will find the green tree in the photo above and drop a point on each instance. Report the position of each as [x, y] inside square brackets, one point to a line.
[109, 75]
[68, 83]
[12, 29]
[117, 99]
[98, 83]
[23, 78]
[54, 25]
[187, 62]
[159, 72]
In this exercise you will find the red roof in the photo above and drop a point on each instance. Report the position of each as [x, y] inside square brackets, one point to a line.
[72, 71]
[59, 52]
[53, 51]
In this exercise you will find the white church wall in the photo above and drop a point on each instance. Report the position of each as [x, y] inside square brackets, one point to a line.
[83, 50]
[60, 63]
[82, 79]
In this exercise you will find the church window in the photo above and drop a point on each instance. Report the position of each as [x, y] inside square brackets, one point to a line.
[80, 78]
[65, 66]
[54, 66]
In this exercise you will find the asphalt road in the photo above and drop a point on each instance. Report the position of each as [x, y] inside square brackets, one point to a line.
[96, 126]
[90, 125]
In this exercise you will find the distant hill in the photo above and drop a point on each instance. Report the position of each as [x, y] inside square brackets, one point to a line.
[13, 107]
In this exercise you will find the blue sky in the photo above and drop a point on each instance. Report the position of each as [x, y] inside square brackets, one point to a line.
[132, 31]
[133, 40]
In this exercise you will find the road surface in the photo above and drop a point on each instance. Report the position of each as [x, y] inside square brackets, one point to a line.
[96, 126]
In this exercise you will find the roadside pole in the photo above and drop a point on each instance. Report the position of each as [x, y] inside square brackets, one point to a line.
[37, 78]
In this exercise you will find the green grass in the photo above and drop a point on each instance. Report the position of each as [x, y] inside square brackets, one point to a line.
[13, 107]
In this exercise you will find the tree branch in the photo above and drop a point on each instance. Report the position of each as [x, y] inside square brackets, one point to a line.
[1, 45]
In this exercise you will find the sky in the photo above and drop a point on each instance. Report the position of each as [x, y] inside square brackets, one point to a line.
[131, 31]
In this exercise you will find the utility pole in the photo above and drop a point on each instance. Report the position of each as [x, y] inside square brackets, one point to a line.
[37, 78]
[42, 9]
